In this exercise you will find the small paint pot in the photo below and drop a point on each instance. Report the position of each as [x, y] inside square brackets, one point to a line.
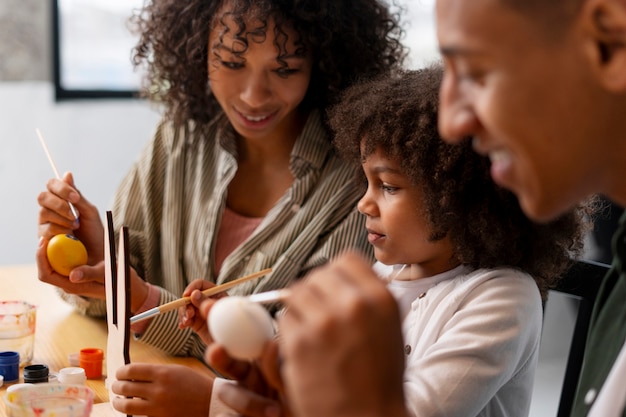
[10, 365]
[91, 361]
[72, 375]
[36, 373]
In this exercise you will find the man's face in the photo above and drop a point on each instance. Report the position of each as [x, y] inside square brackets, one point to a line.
[526, 98]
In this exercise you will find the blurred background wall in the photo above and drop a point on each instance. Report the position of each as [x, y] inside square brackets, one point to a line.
[24, 35]
[95, 139]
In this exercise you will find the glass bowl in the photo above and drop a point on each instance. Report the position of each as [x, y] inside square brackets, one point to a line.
[49, 400]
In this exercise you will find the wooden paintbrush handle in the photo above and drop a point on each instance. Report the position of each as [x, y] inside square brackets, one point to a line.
[213, 290]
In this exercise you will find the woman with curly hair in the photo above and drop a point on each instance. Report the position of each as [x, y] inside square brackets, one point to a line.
[466, 267]
[241, 174]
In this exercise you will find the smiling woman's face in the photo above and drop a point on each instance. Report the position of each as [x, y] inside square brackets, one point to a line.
[260, 88]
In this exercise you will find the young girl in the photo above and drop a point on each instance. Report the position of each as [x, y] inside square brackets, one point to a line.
[466, 266]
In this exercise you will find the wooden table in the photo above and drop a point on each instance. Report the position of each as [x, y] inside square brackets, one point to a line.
[61, 331]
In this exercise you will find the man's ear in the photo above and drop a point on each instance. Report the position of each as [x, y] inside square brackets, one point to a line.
[604, 23]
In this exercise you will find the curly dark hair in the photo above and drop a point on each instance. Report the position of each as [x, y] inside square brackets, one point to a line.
[348, 40]
[397, 114]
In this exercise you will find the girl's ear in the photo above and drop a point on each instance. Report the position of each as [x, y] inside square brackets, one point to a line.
[604, 26]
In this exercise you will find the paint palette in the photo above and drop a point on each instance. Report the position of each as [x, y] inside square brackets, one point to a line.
[49, 400]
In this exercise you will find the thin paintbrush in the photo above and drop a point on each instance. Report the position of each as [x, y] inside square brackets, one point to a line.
[186, 300]
[269, 296]
[54, 167]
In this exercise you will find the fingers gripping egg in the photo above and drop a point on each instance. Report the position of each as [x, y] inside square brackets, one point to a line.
[241, 326]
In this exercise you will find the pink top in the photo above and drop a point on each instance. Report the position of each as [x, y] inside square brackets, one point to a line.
[234, 230]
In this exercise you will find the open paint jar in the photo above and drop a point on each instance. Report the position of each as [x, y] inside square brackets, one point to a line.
[91, 361]
[49, 400]
[17, 329]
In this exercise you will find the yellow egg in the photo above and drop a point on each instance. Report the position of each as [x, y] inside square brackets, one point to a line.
[65, 253]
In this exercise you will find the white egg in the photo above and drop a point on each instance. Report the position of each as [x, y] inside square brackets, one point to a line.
[241, 326]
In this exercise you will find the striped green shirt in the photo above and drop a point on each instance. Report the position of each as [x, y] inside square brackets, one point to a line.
[172, 202]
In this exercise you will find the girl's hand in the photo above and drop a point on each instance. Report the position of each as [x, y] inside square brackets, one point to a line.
[157, 390]
[189, 316]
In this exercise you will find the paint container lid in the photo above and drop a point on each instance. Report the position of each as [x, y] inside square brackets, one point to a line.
[9, 357]
[72, 375]
[10, 365]
[36, 373]
[91, 361]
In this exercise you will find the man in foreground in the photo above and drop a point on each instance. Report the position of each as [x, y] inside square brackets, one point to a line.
[540, 87]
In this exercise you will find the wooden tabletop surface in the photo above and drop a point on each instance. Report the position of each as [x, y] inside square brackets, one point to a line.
[60, 331]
